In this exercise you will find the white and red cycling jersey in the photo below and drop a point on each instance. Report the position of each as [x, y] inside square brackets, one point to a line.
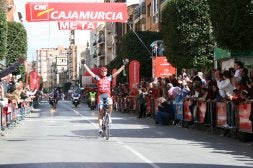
[104, 85]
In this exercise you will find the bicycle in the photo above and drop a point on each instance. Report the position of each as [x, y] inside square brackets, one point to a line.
[106, 120]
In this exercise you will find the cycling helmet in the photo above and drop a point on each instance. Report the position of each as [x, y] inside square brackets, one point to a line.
[103, 68]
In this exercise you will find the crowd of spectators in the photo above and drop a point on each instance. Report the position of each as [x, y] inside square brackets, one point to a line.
[234, 84]
[14, 95]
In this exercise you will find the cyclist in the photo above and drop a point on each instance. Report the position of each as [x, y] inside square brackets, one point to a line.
[104, 89]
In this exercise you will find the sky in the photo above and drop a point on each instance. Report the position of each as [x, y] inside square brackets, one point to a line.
[46, 34]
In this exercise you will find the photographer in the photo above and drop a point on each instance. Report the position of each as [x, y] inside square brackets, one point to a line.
[166, 113]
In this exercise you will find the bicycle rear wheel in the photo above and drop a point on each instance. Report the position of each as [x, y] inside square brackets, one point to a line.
[106, 127]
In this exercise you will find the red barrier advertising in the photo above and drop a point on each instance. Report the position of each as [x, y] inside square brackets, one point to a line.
[76, 11]
[202, 111]
[161, 68]
[245, 124]
[221, 113]
[77, 25]
[114, 80]
[4, 114]
[134, 73]
[34, 80]
[187, 112]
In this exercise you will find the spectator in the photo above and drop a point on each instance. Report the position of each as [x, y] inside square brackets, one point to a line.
[227, 86]
[142, 102]
[12, 67]
[220, 82]
[238, 65]
[166, 113]
[245, 78]
[184, 74]
[203, 81]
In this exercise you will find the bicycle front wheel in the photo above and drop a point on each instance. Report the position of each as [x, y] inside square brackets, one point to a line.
[107, 127]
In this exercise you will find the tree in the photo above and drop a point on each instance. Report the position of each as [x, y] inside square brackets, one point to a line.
[132, 48]
[16, 45]
[3, 28]
[232, 23]
[187, 33]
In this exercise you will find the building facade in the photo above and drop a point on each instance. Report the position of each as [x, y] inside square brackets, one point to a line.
[51, 63]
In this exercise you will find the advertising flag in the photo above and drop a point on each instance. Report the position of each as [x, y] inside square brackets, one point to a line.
[161, 67]
[34, 80]
[134, 73]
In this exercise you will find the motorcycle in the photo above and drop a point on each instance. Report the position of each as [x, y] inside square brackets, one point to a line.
[76, 99]
[92, 103]
[92, 100]
[53, 101]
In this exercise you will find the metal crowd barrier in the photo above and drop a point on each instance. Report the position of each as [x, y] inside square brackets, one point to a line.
[129, 104]
[10, 114]
[224, 115]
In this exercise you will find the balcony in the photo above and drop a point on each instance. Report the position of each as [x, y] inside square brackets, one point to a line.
[94, 54]
[155, 18]
[109, 44]
[94, 43]
[101, 39]
[108, 28]
[101, 52]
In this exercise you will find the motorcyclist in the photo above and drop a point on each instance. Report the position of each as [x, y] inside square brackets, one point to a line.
[55, 94]
[75, 97]
[92, 96]
[76, 93]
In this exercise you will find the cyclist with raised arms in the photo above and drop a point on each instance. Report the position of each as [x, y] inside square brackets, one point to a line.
[104, 89]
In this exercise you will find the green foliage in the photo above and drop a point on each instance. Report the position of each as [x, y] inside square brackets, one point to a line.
[3, 35]
[133, 49]
[233, 23]
[17, 41]
[187, 33]
[16, 45]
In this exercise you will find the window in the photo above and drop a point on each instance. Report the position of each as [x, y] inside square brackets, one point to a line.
[149, 10]
[155, 7]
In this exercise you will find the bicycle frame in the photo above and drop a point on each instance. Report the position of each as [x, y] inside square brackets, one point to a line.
[105, 122]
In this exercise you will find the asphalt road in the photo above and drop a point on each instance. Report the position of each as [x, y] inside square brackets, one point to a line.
[67, 138]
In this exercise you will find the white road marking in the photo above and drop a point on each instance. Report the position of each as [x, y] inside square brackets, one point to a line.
[142, 157]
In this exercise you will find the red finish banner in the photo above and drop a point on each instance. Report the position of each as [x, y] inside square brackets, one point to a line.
[114, 79]
[34, 80]
[221, 114]
[134, 73]
[161, 68]
[77, 25]
[245, 124]
[71, 11]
